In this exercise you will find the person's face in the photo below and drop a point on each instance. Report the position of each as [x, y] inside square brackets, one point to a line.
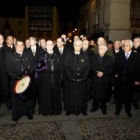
[102, 50]
[76, 38]
[49, 45]
[92, 42]
[32, 41]
[1, 40]
[101, 41]
[127, 47]
[19, 46]
[110, 46]
[136, 42]
[85, 45]
[59, 43]
[27, 43]
[116, 45]
[42, 43]
[10, 41]
[77, 47]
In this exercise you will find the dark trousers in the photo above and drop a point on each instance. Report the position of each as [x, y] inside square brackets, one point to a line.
[136, 99]
[127, 105]
[99, 103]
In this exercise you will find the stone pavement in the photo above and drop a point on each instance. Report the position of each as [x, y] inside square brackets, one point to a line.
[94, 126]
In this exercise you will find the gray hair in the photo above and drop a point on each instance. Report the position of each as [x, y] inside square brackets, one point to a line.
[129, 41]
[77, 42]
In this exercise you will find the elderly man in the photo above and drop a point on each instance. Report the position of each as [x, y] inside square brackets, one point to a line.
[101, 41]
[126, 71]
[102, 68]
[117, 47]
[77, 70]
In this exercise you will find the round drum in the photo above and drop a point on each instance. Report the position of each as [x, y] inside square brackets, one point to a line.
[21, 86]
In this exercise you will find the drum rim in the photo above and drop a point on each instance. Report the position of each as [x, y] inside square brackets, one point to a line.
[18, 82]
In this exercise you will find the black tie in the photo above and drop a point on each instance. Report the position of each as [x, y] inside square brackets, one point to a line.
[100, 60]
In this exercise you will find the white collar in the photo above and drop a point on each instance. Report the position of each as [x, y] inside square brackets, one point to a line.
[62, 48]
[77, 53]
[50, 52]
[128, 53]
[19, 52]
[117, 51]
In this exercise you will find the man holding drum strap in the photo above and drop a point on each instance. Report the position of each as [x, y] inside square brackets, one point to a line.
[16, 65]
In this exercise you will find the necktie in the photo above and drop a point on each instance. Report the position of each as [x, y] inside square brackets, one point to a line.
[127, 56]
[100, 60]
[33, 52]
[60, 50]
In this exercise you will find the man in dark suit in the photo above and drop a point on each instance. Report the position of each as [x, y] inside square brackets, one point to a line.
[86, 50]
[61, 50]
[34, 49]
[126, 72]
[136, 49]
[7, 49]
[117, 47]
[36, 52]
[3, 74]
[102, 68]
[136, 45]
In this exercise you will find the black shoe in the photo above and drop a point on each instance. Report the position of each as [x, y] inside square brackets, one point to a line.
[136, 106]
[84, 113]
[117, 113]
[9, 107]
[67, 113]
[93, 110]
[129, 115]
[30, 117]
[15, 119]
[104, 112]
[77, 114]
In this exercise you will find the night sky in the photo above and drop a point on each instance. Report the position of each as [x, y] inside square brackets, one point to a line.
[68, 9]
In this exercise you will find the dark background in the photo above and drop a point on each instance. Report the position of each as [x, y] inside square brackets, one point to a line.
[68, 9]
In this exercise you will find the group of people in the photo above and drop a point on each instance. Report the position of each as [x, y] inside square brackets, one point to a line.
[65, 75]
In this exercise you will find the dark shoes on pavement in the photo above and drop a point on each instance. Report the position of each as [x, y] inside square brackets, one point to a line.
[30, 117]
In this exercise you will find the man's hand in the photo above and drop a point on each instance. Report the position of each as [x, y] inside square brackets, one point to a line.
[136, 83]
[100, 74]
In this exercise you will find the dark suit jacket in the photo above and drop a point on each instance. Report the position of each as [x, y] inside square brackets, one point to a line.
[127, 71]
[100, 86]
